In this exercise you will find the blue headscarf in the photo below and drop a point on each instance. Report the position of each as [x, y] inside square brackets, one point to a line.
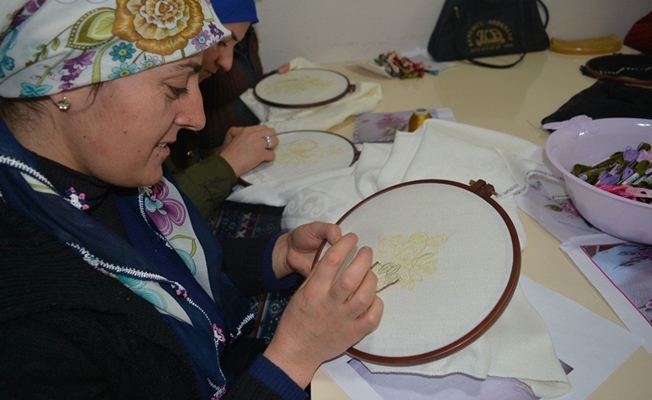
[232, 11]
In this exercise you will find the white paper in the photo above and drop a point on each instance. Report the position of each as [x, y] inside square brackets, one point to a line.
[627, 288]
[556, 214]
[576, 333]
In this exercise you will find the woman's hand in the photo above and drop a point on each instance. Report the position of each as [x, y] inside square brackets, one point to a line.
[295, 251]
[326, 315]
[283, 69]
[245, 148]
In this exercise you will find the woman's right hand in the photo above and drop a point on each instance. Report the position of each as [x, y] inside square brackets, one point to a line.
[326, 315]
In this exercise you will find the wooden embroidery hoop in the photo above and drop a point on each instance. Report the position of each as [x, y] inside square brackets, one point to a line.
[339, 86]
[497, 305]
[274, 168]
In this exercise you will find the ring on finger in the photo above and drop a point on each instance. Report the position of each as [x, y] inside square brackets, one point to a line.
[268, 139]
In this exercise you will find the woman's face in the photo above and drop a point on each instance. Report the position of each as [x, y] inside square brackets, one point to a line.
[220, 56]
[122, 136]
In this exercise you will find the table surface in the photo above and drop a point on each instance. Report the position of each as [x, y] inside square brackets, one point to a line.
[512, 101]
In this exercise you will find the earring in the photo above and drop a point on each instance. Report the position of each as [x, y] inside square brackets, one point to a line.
[63, 104]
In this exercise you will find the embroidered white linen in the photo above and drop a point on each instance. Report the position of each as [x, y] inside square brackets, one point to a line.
[518, 345]
[365, 98]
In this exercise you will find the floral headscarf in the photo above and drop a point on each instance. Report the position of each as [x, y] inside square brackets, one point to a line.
[50, 46]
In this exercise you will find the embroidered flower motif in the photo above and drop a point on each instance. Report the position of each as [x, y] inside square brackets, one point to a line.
[149, 62]
[181, 291]
[215, 30]
[78, 200]
[30, 90]
[164, 212]
[7, 63]
[390, 121]
[640, 253]
[24, 13]
[123, 70]
[218, 334]
[145, 190]
[156, 26]
[201, 41]
[122, 52]
[73, 67]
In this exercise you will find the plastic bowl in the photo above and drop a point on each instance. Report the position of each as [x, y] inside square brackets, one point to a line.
[583, 140]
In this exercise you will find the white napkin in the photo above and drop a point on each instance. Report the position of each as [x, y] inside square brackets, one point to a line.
[365, 98]
[518, 345]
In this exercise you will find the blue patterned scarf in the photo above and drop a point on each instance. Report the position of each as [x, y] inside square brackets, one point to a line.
[173, 260]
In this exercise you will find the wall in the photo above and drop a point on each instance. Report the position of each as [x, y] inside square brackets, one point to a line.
[342, 30]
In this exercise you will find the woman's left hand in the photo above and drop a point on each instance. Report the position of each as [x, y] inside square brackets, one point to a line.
[245, 148]
[295, 251]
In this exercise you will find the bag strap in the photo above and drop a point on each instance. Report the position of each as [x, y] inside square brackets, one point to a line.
[522, 56]
[496, 66]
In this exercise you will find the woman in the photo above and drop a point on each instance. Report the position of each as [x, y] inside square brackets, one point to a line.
[111, 284]
[207, 165]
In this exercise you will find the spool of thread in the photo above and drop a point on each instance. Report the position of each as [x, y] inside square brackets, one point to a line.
[417, 118]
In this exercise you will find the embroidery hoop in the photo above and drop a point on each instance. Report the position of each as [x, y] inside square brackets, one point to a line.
[412, 328]
[285, 91]
[342, 154]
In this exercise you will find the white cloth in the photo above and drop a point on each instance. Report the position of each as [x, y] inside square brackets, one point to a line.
[365, 98]
[437, 150]
[518, 345]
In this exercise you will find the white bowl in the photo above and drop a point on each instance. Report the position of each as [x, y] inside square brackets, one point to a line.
[583, 140]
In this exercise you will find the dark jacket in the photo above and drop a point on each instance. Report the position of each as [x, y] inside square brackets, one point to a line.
[70, 332]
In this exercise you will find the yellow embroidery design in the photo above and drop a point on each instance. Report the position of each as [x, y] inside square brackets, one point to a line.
[301, 84]
[407, 260]
[304, 151]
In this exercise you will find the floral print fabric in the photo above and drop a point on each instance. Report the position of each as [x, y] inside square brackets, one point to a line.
[50, 46]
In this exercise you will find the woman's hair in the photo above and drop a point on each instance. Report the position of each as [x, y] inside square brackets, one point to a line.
[23, 110]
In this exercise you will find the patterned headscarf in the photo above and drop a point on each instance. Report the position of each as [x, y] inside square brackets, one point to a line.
[50, 46]
[232, 11]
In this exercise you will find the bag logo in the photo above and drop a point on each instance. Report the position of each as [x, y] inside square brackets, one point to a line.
[489, 35]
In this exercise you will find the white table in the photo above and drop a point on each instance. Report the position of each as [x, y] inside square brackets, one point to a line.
[513, 101]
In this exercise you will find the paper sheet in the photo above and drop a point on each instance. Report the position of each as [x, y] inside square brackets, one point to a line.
[622, 273]
[624, 280]
[555, 213]
[381, 127]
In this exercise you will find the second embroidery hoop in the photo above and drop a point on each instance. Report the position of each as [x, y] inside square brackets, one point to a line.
[302, 153]
[303, 88]
[459, 258]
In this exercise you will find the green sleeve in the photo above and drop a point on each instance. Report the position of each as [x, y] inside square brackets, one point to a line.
[208, 183]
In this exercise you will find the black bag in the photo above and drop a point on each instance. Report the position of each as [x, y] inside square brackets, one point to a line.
[469, 29]
[623, 89]
[606, 99]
